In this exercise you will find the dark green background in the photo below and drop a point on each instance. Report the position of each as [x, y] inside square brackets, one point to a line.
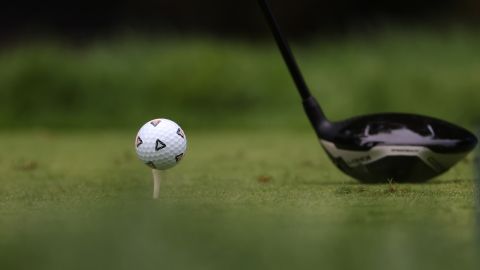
[205, 82]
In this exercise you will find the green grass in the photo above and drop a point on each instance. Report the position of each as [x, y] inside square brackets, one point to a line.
[255, 190]
[239, 200]
[231, 84]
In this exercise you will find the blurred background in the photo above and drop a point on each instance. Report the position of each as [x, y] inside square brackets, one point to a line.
[90, 64]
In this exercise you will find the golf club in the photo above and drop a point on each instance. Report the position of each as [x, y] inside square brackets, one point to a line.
[380, 147]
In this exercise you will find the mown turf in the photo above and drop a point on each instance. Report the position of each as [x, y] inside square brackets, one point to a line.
[239, 200]
[260, 196]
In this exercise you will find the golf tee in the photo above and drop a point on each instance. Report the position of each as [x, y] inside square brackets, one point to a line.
[156, 183]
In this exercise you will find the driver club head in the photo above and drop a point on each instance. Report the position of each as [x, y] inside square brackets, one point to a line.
[395, 147]
[382, 147]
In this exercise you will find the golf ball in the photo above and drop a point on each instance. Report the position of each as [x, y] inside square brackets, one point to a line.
[161, 144]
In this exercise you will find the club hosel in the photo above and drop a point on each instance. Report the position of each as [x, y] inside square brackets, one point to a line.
[316, 116]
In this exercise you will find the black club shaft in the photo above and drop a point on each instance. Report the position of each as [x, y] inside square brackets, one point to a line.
[285, 50]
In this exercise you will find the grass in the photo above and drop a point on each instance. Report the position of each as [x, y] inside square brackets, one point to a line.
[255, 190]
[239, 200]
[236, 84]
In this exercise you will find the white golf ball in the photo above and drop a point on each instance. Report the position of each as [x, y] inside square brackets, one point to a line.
[161, 144]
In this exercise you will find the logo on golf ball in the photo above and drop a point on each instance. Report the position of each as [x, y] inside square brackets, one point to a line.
[161, 144]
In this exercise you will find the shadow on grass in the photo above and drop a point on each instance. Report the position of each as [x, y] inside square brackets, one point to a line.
[356, 183]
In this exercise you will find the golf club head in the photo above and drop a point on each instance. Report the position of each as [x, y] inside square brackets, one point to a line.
[395, 147]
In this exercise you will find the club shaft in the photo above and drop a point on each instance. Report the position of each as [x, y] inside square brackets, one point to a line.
[286, 51]
[315, 114]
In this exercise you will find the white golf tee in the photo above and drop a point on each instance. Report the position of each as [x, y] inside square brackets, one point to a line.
[156, 183]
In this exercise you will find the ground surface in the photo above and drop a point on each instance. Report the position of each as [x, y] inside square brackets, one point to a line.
[263, 198]
[239, 200]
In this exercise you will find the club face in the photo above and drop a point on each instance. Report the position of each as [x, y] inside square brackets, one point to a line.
[399, 147]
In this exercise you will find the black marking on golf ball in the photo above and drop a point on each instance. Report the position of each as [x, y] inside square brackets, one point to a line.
[180, 133]
[179, 157]
[159, 145]
[155, 122]
[151, 165]
[139, 141]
